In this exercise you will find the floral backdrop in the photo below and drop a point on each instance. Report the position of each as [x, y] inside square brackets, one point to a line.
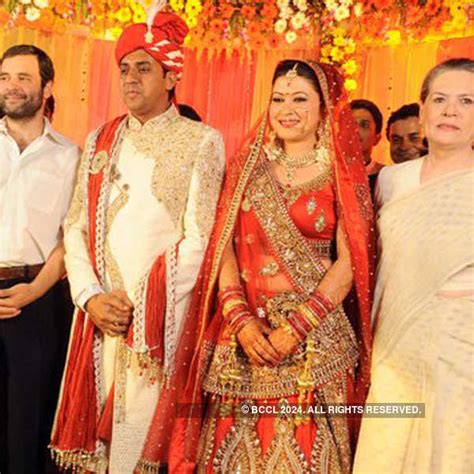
[335, 28]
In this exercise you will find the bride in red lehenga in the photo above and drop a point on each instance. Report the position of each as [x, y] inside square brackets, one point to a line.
[293, 241]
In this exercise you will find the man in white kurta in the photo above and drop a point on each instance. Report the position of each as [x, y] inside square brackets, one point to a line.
[37, 172]
[162, 181]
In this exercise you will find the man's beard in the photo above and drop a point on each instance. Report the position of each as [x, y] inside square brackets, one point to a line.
[25, 109]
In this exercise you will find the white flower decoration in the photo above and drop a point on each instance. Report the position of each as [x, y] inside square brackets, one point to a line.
[302, 5]
[298, 20]
[358, 10]
[331, 4]
[341, 13]
[32, 13]
[280, 26]
[290, 37]
[41, 3]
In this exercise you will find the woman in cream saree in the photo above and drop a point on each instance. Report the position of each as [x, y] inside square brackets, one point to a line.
[424, 297]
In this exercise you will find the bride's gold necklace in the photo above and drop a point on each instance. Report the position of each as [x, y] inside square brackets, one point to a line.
[292, 163]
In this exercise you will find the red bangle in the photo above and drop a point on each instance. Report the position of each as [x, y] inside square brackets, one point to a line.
[229, 292]
[299, 331]
[320, 304]
[238, 323]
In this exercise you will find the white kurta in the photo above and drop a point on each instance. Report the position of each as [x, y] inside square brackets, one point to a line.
[35, 192]
[140, 227]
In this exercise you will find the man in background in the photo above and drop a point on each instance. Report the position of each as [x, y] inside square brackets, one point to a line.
[405, 135]
[369, 121]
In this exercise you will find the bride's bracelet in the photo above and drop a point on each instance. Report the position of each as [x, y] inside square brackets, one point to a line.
[308, 316]
[235, 309]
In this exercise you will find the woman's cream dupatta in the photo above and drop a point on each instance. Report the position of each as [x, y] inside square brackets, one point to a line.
[422, 343]
[425, 237]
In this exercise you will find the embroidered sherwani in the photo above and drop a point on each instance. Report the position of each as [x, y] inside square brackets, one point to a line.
[163, 186]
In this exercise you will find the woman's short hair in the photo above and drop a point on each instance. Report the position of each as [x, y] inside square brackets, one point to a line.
[456, 64]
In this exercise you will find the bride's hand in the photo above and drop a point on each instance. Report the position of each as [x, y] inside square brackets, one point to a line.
[253, 341]
[283, 342]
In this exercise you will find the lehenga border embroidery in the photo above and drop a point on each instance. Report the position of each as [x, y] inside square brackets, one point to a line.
[293, 193]
[289, 245]
[240, 450]
[336, 352]
[284, 454]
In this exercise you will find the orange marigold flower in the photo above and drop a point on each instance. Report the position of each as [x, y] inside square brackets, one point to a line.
[216, 26]
[211, 40]
[47, 19]
[382, 4]
[208, 10]
[226, 10]
[274, 40]
[269, 11]
[257, 41]
[61, 7]
[266, 24]
[253, 27]
[248, 12]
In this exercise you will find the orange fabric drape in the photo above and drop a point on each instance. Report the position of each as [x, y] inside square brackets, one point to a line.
[221, 89]
[229, 91]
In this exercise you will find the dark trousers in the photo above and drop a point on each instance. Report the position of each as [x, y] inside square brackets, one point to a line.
[33, 347]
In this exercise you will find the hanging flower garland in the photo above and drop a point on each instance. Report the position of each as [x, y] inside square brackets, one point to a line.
[334, 27]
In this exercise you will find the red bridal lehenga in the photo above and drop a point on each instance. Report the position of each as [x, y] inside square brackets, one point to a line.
[280, 235]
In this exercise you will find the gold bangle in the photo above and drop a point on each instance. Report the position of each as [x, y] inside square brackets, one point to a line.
[309, 315]
[288, 329]
[232, 304]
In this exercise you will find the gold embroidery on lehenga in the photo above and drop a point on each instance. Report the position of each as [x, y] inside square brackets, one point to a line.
[270, 269]
[293, 193]
[335, 392]
[293, 249]
[240, 450]
[320, 223]
[324, 457]
[311, 205]
[208, 436]
[335, 352]
[321, 248]
[284, 454]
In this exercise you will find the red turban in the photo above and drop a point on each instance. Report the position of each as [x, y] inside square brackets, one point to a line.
[163, 40]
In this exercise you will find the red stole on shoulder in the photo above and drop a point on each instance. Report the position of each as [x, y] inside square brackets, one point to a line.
[83, 418]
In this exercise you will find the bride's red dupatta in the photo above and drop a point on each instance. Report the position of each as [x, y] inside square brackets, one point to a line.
[175, 429]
